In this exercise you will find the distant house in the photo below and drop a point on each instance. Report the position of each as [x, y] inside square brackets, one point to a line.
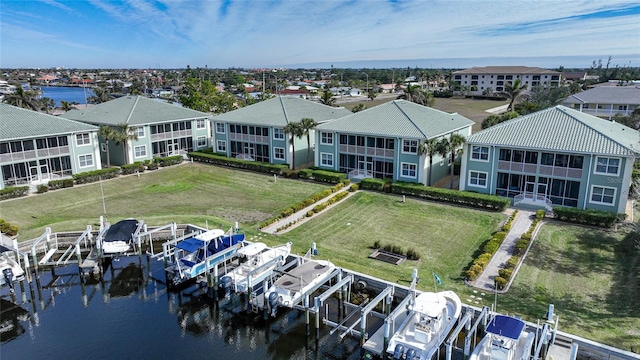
[479, 79]
[162, 129]
[256, 132]
[383, 141]
[574, 76]
[36, 147]
[557, 156]
[606, 101]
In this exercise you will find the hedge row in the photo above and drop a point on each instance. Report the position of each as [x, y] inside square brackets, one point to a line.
[8, 228]
[60, 184]
[96, 175]
[489, 248]
[316, 209]
[410, 254]
[215, 159]
[169, 160]
[599, 218]
[301, 205]
[137, 166]
[476, 200]
[13, 192]
[507, 225]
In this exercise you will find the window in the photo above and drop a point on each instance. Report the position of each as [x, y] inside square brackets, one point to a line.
[607, 166]
[622, 107]
[278, 134]
[220, 128]
[326, 138]
[326, 159]
[480, 153]
[478, 179]
[83, 139]
[410, 146]
[140, 131]
[602, 195]
[202, 141]
[85, 160]
[221, 146]
[278, 153]
[409, 170]
[140, 151]
[200, 124]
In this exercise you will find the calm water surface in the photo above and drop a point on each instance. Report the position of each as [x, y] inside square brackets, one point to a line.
[130, 315]
[70, 94]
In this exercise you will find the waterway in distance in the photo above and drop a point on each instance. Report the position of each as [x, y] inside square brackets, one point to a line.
[131, 315]
[66, 93]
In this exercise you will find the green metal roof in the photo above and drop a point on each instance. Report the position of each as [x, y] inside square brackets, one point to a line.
[280, 111]
[133, 110]
[18, 123]
[399, 118]
[562, 129]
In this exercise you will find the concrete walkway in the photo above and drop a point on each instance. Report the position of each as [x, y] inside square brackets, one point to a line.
[301, 216]
[519, 226]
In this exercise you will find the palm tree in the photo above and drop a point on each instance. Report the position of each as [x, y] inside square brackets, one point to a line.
[513, 92]
[372, 95]
[65, 105]
[451, 146]
[101, 95]
[429, 148]
[124, 133]
[308, 124]
[327, 98]
[107, 133]
[294, 129]
[414, 94]
[23, 99]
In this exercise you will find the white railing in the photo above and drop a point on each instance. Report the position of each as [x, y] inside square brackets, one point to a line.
[532, 197]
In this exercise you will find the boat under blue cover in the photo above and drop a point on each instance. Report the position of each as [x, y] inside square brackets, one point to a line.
[507, 326]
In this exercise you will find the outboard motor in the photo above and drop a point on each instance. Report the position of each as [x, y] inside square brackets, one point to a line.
[412, 354]
[398, 351]
[226, 283]
[273, 303]
[8, 277]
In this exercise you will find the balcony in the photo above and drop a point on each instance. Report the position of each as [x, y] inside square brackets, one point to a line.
[172, 135]
[369, 151]
[255, 139]
[557, 171]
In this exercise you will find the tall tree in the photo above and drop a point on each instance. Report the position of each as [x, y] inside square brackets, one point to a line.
[101, 95]
[308, 124]
[65, 105]
[514, 92]
[429, 148]
[108, 133]
[125, 133]
[294, 129]
[451, 146]
[327, 98]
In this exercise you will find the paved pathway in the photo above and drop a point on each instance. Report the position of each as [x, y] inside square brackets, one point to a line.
[519, 226]
[302, 214]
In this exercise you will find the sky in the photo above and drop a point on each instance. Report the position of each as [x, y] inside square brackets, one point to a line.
[318, 33]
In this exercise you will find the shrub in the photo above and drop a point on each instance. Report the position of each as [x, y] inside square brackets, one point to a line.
[540, 214]
[354, 187]
[512, 262]
[413, 255]
[7, 228]
[59, 184]
[169, 160]
[96, 175]
[387, 248]
[486, 257]
[42, 188]
[397, 249]
[310, 213]
[482, 201]
[291, 174]
[494, 244]
[13, 192]
[505, 273]
[151, 165]
[372, 184]
[328, 176]
[319, 207]
[500, 282]
[137, 166]
[287, 212]
[268, 168]
[588, 217]
[473, 272]
[521, 247]
[305, 173]
[376, 244]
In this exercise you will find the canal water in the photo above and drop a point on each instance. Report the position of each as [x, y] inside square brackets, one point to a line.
[129, 314]
[70, 94]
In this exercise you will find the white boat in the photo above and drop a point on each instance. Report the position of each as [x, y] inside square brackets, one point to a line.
[506, 339]
[119, 237]
[289, 289]
[10, 270]
[253, 258]
[199, 254]
[431, 318]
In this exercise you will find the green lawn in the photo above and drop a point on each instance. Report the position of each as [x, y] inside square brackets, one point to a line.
[445, 236]
[591, 276]
[188, 193]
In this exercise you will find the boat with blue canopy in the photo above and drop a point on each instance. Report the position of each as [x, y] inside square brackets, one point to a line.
[506, 339]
